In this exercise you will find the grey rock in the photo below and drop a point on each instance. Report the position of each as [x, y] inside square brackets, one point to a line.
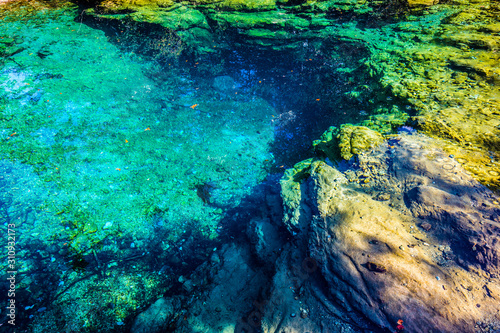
[158, 317]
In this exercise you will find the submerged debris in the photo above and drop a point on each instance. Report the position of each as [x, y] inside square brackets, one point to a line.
[203, 191]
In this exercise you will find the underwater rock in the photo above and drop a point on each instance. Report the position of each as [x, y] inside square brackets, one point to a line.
[7, 41]
[229, 297]
[224, 84]
[266, 240]
[158, 316]
[296, 214]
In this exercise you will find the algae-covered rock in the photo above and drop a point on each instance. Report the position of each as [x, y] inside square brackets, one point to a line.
[356, 139]
[328, 144]
[247, 4]
[385, 121]
[291, 192]
[437, 127]
[347, 141]
[449, 73]
[420, 3]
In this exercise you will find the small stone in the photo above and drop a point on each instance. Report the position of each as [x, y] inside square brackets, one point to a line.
[7, 41]
[293, 314]
[383, 197]
[373, 267]
[426, 226]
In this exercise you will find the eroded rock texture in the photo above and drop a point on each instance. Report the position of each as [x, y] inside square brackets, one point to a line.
[406, 233]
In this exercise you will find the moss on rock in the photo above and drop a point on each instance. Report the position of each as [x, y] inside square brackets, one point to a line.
[356, 139]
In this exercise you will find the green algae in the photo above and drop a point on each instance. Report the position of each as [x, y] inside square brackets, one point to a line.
[123, 162]
[346, 141]
[116, 145]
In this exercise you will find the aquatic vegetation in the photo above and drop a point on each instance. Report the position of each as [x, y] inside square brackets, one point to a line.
[139, 126]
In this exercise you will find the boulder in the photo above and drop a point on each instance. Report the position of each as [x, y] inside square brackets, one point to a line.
[355, 139]
[406, 234]
[224, 84]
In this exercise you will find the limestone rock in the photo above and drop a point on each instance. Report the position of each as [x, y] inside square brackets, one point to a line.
[355, 139]
[375, 259]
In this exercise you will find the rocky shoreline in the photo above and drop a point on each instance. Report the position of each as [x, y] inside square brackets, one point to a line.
[401, 232]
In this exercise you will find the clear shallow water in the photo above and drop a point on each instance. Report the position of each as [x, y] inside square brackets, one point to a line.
[97, 155]
[115, 162]
[119, 147]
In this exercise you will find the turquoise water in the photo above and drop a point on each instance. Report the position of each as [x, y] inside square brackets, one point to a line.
[117, 146]
[99, 155]
[119, 167]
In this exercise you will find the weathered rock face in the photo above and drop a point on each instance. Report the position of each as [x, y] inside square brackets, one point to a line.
[407, 233]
